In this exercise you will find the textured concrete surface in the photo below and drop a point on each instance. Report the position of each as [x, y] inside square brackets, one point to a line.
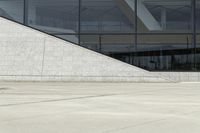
[180, 76]
[29, 55]
[99, 108]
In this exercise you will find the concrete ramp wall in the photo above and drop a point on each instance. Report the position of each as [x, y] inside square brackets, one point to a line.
[29, 55]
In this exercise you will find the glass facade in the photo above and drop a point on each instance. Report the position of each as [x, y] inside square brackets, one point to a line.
[164, 16]
[104, 16]
[157, 35]
[163, 52]
[58, 17]
[12, 9]
[198, 15]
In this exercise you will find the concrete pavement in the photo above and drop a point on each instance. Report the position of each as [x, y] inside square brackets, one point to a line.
[28, 107]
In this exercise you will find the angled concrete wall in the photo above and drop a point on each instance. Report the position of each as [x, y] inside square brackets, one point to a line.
[29, 55]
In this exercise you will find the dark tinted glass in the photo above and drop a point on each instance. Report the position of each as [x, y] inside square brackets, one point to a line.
[164, 52]
[54, 16]
[71, 38]
[12, 9]
[91, 42]
[198, 15]
[118, 46]
[197, 59]
[198, 41]
[164, 15]
[164, 42]
[105, 16]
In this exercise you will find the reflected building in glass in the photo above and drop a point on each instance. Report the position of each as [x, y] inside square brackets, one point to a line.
[156, 35]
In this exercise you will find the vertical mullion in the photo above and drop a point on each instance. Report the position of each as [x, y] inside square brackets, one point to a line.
[136, 33]
[79, 23]
[100, 47]
[136, 25]
[25, 17]
[24, 11]
[194, 30]
[134, 46]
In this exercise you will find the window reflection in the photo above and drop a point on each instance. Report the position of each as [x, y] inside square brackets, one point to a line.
[198, 15]
[12, 9]
[164, 15]
[103, 16]
[60, 16]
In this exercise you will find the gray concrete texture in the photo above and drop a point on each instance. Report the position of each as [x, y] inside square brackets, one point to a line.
[99, 107]
[180, 76]
[29, 55]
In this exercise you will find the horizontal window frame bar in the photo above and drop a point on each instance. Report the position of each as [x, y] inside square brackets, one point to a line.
[102, 34]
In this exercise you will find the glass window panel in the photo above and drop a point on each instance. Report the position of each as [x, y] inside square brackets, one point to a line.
[164, 16]
[198, 40]
[198, 53]
[12, 9]
[165, 52]
[71, 38]
[103, 16]
[118, 46]
[91, 42]
[54, 16]
[167, 62]
[164, 42]
[198, 15]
